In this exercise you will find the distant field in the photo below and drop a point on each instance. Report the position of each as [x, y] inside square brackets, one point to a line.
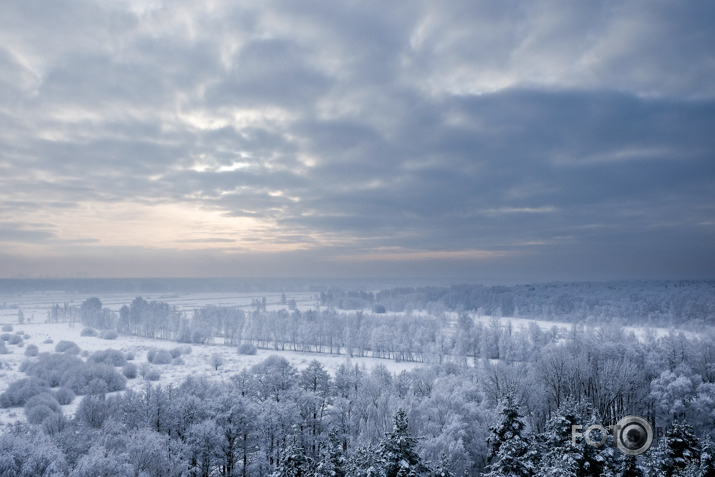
[35, 305]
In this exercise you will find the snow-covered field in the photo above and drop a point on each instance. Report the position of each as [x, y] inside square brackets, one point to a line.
[36, 305]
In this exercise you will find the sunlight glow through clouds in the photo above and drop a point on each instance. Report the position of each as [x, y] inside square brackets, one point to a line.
[163, 226]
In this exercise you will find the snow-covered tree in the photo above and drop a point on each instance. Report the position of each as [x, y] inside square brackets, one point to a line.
[216, 361]
[677, 451]
[628, 467]
[511, 453]
[24, 452]
[294, 462]
[561, 458]
[205, 442]
[397, 451]
[365, 462]
[682, 445]
[707, 457]
[332, 459]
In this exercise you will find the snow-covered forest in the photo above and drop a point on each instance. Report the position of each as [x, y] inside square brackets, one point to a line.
[400, 380]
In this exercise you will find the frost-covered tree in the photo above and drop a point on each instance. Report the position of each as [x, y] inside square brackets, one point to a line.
[397, 451]
[561, 458]
[628, 467]
[365, 462]
[100, 462]
[683, 448]
[25, 452]
[294, 462]
[331, 462]
[216, 361]
[511, 453]
[707, 457]
[205, 442]
[677, 451]
[657, 462]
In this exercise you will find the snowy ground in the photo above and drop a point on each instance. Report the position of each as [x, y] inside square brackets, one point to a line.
[36, 305]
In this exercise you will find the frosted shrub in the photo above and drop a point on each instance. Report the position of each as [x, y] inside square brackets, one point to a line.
[79, 380]
[153, 375]
[45, 399]
[129, 356]
[3, 348]
[186, 349]
[111, 357]
[31, 350]
[144, 370]
[89, 331]
[161, 356]
[64, 395]
[175, 352]
[48, 341]
[246, 348]
[20, 391]
[7, 327]
[51, 368]
[178, 361]
[15, 340]
[109, 335]
[130, 370]
[38, 414]
[67, 347]
[5, 336]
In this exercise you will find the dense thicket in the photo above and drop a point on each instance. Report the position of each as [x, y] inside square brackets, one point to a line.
[664, 303]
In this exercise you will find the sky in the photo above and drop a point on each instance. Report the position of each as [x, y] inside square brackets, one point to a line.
[530, 140]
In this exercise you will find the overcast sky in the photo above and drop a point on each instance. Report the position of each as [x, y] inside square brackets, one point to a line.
[534, 140]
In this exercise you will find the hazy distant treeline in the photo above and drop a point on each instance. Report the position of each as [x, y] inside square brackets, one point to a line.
[654, 303]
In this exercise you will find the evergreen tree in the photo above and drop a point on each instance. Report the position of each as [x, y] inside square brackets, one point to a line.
[682, 445]
[657, 461]
[707, 457]
[628, 467]
[598, 461]
[332, 459]
[677, 453]
[561, 458]
[365, 462]
[294, 463]
[511, 454]
[397, 451]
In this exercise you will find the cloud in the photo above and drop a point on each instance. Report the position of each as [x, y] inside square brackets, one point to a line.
[24, 235]
[538, 133]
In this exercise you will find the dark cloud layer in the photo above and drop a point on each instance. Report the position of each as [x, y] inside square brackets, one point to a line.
[547, 139]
